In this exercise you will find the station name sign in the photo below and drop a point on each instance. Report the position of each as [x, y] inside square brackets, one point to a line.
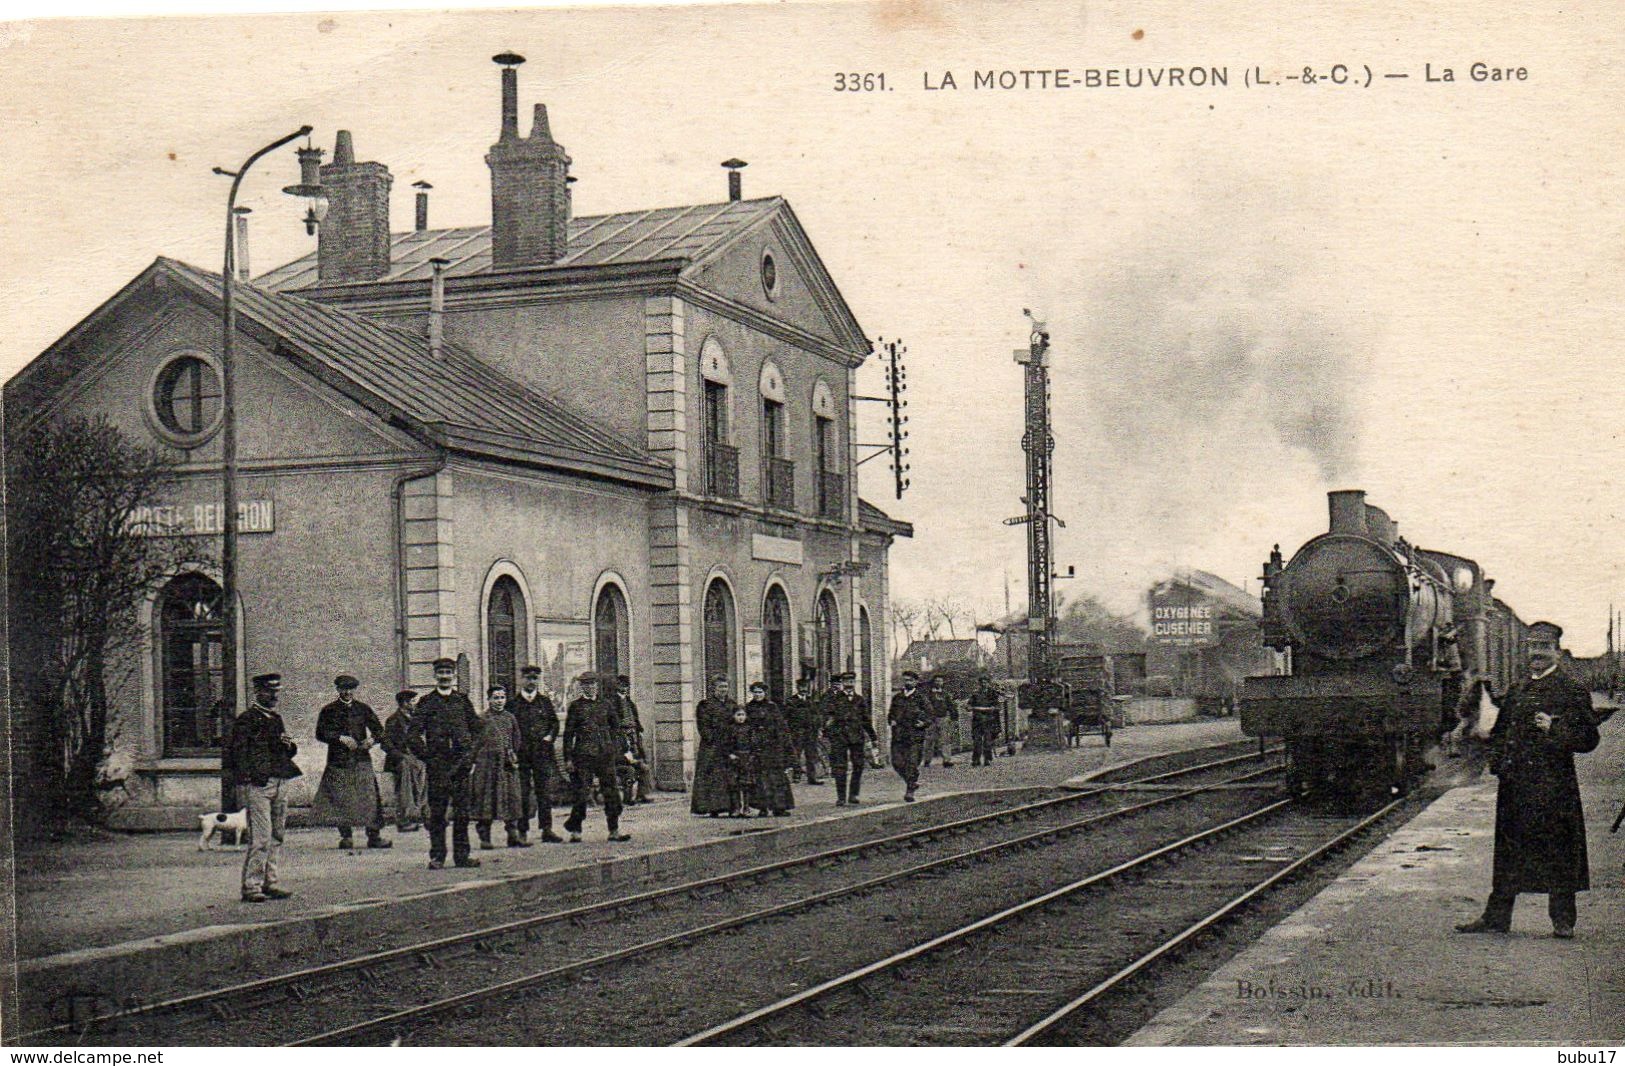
[201, 519]
[1178, 622]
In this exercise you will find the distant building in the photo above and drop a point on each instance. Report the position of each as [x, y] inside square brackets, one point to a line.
[930, 656]
[1204, 638]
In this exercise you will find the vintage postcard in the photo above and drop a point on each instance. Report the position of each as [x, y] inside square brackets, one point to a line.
[911, 523]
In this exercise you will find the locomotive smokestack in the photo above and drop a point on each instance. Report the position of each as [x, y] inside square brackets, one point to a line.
[1347, 511]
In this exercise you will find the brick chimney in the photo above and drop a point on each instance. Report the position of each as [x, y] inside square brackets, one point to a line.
[530, 195]
[353, 242]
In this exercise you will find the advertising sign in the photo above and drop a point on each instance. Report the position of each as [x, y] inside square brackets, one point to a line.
[1182, 618]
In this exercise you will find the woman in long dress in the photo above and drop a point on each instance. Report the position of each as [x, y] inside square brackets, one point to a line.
[494, 789]
[714, 716]
[769, 739]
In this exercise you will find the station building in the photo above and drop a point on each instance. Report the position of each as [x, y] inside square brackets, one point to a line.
[622, 442]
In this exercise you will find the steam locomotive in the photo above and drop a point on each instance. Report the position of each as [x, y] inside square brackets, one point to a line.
[1380, 637]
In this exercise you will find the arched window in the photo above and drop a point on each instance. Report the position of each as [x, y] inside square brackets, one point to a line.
[828, 621]
[505, 644]
[190, 632]
[776, 644]
[719, 634]
[609, 632]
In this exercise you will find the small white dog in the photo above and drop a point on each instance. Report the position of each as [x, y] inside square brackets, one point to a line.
[235, 823]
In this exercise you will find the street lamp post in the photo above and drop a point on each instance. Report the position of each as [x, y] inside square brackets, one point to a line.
[228, 426]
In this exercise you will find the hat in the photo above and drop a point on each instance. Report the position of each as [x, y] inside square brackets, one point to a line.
[758, 686]
[848, 676]
[622, 679]
[532, 671]
[268, 681]
[345, 681]
[586, 676]
[907, 675]
[719, 679]
[406, 695]
[444, 663]
[1545, 633]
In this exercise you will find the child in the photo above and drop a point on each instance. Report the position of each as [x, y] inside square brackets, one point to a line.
[493, 787]
[740, 763]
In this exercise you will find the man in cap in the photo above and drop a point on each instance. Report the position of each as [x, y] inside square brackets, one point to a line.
[1540, 835]
[443, 732]
[710, 791]
[258, 756]
[847, 726]
[348, 795]
[910, 716]
[984, 721]
[411, 777]
[538, 728]
[594, 744]
[637, 778]
[805, 724]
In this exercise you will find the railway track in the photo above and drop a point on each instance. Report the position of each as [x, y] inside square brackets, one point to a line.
[302, 1005]
[1039, 971]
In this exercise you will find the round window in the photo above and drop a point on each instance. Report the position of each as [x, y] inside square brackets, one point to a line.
[770, 275]
[187, 399]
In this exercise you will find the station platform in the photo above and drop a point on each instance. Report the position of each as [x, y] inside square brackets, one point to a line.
[126, 914]
[1374, 958]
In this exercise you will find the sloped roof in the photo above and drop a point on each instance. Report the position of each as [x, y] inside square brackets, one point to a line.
[962, 650]
[456, 400]
[872, 517]
[1214, 588]
[666, 233]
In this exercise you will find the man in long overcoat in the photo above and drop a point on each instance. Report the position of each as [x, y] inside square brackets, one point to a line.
[348, 795]
[805, 722]
[538, 728]
[444, 732]
[848, 729]
[1540, 835]
[709, 792]
[594, 745]
[984, 722]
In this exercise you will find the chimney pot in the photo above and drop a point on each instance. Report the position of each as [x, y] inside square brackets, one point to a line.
[530, 192]
[508, 61]
[735, 185]
[539, 129]
[437, 307]
[422, 220]
[343, 149]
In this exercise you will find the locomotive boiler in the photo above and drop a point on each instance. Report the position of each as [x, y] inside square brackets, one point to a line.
[1380, 637]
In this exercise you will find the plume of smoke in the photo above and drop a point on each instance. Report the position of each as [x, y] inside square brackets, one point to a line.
[1216, 377]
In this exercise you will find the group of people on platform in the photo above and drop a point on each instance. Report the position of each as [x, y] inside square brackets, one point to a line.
[750, 754]
[455, 763]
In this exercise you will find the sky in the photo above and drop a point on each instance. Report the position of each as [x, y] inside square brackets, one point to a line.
[1255, 293]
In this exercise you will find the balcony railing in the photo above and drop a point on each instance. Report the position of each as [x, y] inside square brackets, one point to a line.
[779, 483]
[722, 470]
[831, 495]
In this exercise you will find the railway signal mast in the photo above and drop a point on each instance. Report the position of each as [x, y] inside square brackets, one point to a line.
[1039, 443]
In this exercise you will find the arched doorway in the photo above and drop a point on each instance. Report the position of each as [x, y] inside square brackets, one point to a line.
[609, 627]
[190, 635]
[776, 644]
[828, 626]
[505, 645]
[719, 636]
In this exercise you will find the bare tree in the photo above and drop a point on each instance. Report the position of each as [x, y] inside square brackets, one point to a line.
[905, 616]
[947, 612]
[79, 567]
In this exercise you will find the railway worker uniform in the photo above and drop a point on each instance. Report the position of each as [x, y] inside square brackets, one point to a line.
[984, 723]
[637, 778]
[348, 795]
[538, 770]
[848, 730]
[910, 718]
[444, 732]
[714, 717]
[258, 758]
[405, 765]
[1540, 836]
[805, 722]
[769, 738]
[594, 743]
